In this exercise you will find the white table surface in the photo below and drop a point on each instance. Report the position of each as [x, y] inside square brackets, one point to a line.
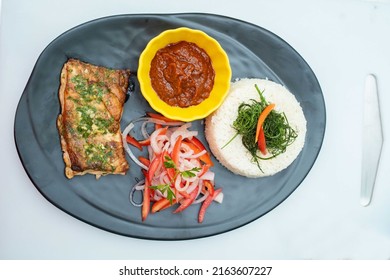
[342, 41]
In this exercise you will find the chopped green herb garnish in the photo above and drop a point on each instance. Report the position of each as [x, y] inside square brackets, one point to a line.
[91, 123]
[190, 173]
[89, 91]
[98, 154]
[278, 133]
[168, 163]
[166, 190]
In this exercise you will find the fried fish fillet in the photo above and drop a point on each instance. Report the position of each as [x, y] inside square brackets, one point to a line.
[92, 99]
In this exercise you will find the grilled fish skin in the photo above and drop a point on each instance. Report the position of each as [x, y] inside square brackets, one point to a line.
[91, 99]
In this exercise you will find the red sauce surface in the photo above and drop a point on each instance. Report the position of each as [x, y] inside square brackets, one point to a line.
[182, 74]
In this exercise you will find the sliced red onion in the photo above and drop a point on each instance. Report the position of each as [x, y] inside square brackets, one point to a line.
[153, 120]
[126, 131]
[185, 151]
[208, 175]
[137, 187]
[219, 198]
[192, 185]
[182, 130]
[198, 154]
[150, 153]
[144, 132]
[178, 184]
[154, 141]
[201, 199]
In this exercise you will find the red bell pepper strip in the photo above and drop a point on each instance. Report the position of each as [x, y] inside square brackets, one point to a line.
[160, 204]
[131, 140]
[197, 143]
[184, 194]
[176, 195]
[176, 150]
[261, 142]
[206, 204]
[144, 160]
[138, 144]
[167, 206]
[261, 119]
[208, 186]
[145, 142]
[205, 157]
[159, 117]
[154, 165]
[187, 201]
[146, 201]
[205, 168]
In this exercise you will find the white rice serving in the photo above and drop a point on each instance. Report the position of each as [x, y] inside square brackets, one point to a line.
[219, 128]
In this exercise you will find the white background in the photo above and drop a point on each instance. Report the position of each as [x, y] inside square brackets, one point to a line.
[342, 41]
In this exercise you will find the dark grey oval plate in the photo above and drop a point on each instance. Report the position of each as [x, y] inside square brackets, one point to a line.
[117, 42]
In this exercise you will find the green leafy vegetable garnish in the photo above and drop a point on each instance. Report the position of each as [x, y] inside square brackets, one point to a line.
[168, 163]
[278, 133]
[166, 188]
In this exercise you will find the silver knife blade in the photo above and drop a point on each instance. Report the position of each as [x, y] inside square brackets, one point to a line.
[372, 140]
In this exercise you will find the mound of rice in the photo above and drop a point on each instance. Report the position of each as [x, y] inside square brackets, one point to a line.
[219, 130]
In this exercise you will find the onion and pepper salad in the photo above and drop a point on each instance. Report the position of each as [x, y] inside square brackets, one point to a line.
[176, 169]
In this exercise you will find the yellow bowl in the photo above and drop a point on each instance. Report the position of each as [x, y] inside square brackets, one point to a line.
[220, 63]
